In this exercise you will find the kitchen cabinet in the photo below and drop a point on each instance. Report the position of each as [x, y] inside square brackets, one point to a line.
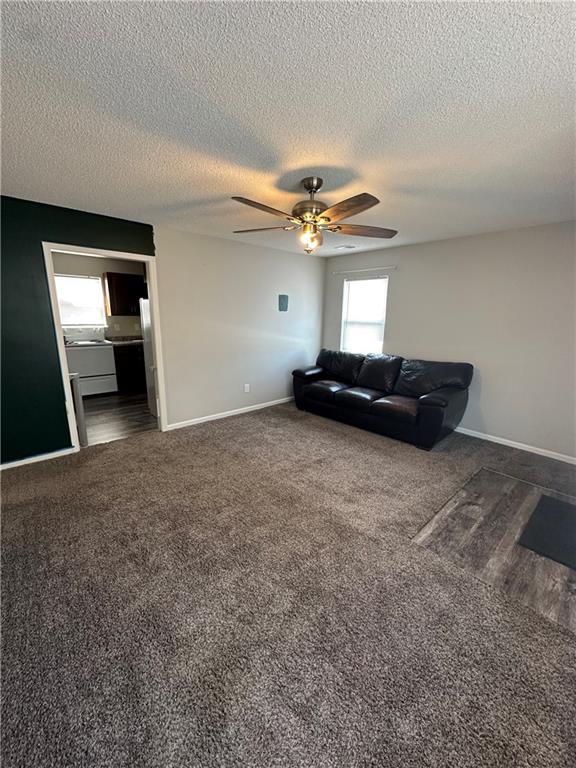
[123, 293]
[130, 368]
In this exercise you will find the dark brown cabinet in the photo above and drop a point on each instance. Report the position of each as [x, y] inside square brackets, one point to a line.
[130, 369]
[123, 293]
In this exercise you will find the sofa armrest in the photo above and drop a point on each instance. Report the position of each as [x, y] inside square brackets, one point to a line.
[441, 397]
[309, 374]
[439, 413]
[302, 377]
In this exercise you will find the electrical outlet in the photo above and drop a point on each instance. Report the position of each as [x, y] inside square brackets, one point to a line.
[116, 327]
[246, 387]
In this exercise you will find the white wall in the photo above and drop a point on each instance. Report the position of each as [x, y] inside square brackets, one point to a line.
[220, 323]
[502, 301]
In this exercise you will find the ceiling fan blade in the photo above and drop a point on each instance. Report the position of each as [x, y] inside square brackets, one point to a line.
[265, 208]
[359, 230]
[350, 207]
[262, 229]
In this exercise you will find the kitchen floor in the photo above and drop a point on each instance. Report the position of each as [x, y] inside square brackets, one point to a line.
[113, 417]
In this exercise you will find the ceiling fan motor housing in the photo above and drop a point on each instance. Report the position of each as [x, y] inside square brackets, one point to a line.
[308, 209]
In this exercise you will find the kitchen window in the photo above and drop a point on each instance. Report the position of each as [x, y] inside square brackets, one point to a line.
[81, 301]
[364, 315]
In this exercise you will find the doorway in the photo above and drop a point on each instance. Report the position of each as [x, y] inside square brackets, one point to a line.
[105, 313]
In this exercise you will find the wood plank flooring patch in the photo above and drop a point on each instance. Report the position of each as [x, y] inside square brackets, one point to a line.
[479, 528]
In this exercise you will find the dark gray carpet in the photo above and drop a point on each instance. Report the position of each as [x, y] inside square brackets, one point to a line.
[245, 593]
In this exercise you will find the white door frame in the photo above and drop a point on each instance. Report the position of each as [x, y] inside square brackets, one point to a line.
[152, 279]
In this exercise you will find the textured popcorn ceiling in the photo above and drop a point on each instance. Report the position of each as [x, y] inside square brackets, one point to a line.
[458, 116]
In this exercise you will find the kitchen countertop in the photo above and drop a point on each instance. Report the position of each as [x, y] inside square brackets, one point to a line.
[125, 342]
[120, 342]
[87, 343]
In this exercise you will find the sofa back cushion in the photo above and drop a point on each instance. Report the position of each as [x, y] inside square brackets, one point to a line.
[379, 372]
[342, 366]
[418, 377]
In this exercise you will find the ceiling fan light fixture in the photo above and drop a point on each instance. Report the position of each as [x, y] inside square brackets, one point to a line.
[311, 247]
[310, 237]
[307, 234]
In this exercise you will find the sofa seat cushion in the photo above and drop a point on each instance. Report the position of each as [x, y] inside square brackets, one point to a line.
[357, 398]
[323, 390]
[379, 372]
[396, 407]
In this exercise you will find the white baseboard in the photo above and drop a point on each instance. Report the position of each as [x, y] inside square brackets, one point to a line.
[225, 414]
[520, 446]
[259, 406]
[40, 457]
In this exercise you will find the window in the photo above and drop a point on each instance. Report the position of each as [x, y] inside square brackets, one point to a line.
[81, 300]
[363, 315]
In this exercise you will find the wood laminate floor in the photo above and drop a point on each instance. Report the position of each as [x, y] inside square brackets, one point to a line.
[479, 528]
[112, 417]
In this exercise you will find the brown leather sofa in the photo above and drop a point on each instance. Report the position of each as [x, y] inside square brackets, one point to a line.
[418, 401]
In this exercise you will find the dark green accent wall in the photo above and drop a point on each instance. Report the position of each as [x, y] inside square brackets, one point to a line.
[33, 407]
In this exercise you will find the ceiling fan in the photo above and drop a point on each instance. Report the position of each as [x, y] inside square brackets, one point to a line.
[313, 217]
